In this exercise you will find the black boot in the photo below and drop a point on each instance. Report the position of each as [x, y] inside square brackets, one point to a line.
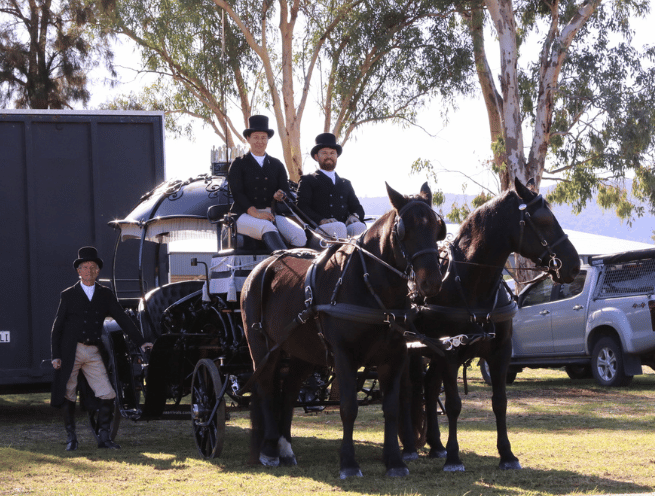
[69, 423]
[105, 414]
[274, 241]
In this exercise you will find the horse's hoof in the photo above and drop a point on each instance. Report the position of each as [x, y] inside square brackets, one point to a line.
[288, 461]
[398, 472]
[350, 472]
[410, 456]
[454, 467]
[438, 453]
[269, 461]
[513, 465]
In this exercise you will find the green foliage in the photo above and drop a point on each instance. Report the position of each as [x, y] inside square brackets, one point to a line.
[47, 51]
[603, 115]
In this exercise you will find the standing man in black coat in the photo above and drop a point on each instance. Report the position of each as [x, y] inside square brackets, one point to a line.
[255, 180]
[326, 198]
[77, 345]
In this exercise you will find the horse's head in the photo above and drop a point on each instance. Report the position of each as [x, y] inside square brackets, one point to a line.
[416, 230]
[540, 238]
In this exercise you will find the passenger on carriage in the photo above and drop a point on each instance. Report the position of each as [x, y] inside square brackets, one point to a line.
[326, 198]
[255, 180]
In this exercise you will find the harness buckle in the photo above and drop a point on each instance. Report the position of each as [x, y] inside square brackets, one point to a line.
[309, 297]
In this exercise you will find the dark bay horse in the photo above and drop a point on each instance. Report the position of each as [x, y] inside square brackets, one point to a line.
[473, 312]
[338, 308]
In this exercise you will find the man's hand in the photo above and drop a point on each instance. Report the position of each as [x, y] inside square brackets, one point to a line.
[352, 218]
[279, 195]
[261, 214]
[327, 221]
[56, 363]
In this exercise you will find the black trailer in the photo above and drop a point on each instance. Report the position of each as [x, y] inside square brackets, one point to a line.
[65, 175]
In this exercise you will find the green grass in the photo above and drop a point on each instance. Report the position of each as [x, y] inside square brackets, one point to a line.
[572, 437]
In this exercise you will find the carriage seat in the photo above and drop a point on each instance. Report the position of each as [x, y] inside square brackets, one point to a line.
[159, 299]
[228, 238]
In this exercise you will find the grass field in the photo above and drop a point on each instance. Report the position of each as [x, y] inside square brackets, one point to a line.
[572, 437]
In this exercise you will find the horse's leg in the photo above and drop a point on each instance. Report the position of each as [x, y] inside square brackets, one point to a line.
[453, 409]
[411, 405]
[298, 372]
[268, 390]
[389, 375]
[432, 383]
[347, 379]
[498, 365]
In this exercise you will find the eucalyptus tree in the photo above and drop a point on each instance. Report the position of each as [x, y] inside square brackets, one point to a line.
[47, 52]
[570, 72]
[363, 60]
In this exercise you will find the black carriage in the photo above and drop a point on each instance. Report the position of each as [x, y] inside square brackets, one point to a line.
[200, 350]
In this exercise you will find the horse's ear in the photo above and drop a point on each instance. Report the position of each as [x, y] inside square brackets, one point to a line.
[524, 192]
[397, 200]
[426, 192]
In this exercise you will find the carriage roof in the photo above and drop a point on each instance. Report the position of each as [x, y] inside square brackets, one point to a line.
[176, 210]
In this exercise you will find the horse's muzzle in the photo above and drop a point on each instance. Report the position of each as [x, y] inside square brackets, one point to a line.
[428, 282]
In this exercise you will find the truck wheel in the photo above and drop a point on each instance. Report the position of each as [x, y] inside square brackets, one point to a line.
[607, 364]
[578, 371]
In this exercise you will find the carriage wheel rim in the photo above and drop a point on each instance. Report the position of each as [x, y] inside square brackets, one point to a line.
[206, 386]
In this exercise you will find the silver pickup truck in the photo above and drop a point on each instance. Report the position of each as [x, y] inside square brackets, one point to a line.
[601, 324]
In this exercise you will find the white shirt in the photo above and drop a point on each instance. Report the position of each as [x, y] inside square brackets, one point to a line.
[331, 174]
[88, 290]
[260, 160]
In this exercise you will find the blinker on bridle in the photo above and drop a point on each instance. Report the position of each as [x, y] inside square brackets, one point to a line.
[399, 233]
[554, 263]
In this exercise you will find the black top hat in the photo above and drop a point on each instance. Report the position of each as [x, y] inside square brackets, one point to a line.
[326, 140]
[258, 123]
[87, 254]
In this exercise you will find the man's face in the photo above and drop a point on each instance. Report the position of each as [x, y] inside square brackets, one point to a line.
[88, 272]
[258, 142]
[327, 159]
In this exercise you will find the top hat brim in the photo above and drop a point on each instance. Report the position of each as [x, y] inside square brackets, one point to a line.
[316, 149]
[248, 132]
[77, 262]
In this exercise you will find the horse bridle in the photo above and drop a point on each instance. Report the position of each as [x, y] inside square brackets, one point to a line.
[554, 263]
[399, 233]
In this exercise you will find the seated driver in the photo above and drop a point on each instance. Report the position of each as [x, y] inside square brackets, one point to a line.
[255, 180]
[326, 198]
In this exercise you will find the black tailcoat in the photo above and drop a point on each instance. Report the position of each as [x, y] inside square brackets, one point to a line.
[320, 199]
[254, 185]
[79, 320]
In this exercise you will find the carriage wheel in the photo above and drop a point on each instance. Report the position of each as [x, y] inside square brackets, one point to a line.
[207, 409]
[115, 422]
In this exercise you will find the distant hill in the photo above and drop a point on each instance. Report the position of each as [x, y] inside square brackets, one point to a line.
[594, 220]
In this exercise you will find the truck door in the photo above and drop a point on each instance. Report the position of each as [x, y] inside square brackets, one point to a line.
[569, 316]
[532, 324]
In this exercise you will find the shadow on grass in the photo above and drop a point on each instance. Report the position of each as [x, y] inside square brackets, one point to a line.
[34, 436]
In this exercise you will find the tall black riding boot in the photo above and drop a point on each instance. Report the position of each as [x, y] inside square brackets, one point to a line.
[105, 414]
[274, 241]
[69, 423]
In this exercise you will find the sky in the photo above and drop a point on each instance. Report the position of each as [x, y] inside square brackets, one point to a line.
[376, 153]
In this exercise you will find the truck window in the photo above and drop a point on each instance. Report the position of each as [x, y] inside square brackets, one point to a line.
[539, 293]
[573, 289]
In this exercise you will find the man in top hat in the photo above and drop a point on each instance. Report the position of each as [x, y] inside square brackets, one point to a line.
[77, 345]
[255, 180]
[326, 198]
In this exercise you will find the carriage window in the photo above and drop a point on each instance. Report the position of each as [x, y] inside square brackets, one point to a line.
[539, 293]
[574, 288]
